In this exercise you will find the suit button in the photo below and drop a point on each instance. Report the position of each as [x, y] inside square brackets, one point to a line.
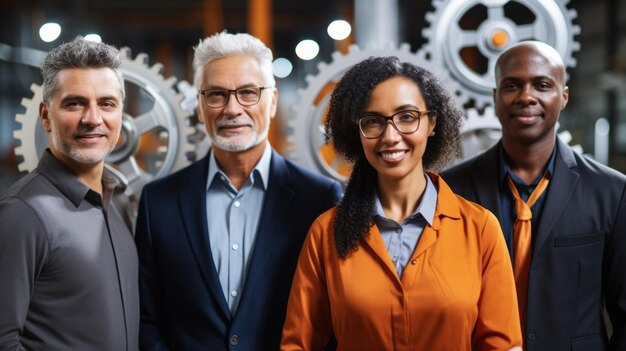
[531, 336]
[234, 340]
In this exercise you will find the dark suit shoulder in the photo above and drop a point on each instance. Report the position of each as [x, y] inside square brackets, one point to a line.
[306, 177]
[458, 176]
[193, 173]
[595, 171]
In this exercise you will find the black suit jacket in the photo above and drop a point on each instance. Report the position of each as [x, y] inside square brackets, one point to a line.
[579, 249]
[182, 304]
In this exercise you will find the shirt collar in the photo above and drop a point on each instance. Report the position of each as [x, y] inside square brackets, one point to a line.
[505, 169]
[262, 168]
[67, 182]
[426, 207]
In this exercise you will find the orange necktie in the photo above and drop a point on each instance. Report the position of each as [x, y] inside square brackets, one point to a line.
[522, 242]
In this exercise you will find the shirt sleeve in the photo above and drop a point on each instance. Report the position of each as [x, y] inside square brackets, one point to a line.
[498, 324]
[308, 323]
[23, 251]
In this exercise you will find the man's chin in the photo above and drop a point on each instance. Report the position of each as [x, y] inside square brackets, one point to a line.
[235, 144]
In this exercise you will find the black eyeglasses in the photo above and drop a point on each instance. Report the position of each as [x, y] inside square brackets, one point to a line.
[405, 122]
[246, 96]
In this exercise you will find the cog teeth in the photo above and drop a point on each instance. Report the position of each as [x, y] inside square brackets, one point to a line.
[430, 17]
[126, 52]
[336, 55]
[142, 58]
[309, 79]
[157, 68]
[353, 48]
[321, 66]
[21, 118]
[170, 83]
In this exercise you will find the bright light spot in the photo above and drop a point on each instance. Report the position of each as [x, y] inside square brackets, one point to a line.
[307, 49]
[49, 32]
[93, 37]
[282, 67]
[339, 29]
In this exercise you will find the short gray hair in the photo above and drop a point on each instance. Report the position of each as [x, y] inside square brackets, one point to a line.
[78, 53]
[225, 44]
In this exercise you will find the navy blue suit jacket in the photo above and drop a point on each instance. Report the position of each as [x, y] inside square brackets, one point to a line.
[182, 304]
[579, 249]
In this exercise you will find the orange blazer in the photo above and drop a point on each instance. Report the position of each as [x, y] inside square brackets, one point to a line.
[456, 293]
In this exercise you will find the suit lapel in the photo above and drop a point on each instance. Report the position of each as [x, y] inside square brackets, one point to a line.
[278, 201]
[559, 192]
[486, 180]
[192, 205]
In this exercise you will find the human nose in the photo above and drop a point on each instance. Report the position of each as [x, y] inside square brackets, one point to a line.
[92, 116]
[390, 134]
[232, 107]
[526, 96]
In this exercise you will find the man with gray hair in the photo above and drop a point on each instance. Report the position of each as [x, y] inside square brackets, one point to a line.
[68, 263]
[218, 241]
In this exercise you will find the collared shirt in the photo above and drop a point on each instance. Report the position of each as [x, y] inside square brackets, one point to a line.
[401, 239]
[507, 201]
[457, 292]
[232, 220]
[68, 264]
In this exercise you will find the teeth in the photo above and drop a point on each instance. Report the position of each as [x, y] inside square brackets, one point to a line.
[392, 155]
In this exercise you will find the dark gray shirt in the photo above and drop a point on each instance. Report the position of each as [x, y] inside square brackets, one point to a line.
[68, 264]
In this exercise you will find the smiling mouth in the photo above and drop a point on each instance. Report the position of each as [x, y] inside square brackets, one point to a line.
[90, 136]
[392, 156]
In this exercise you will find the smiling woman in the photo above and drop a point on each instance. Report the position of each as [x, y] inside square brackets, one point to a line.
[400, 250]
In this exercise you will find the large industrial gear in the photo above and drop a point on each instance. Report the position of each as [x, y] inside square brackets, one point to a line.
[451, 41]
[157, 112]
[479, 131]
[306, 125]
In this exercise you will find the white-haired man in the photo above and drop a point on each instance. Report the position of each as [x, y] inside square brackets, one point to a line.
[218, 241]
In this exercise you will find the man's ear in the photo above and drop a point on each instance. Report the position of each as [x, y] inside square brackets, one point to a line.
[45, 118]
[565, 96]
[274, 106]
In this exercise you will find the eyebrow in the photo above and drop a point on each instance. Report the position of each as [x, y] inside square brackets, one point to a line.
[83, 98]
[219, 87]
[397, 109]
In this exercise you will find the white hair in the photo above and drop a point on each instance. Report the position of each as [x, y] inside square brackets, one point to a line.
[225, 44]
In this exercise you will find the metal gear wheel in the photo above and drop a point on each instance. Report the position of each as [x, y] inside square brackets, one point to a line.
[154, 113]
[479, 132]
[455, 40]
[306, 125]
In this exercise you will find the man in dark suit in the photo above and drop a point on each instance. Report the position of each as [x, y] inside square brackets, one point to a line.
[218, 241]
[578, 225]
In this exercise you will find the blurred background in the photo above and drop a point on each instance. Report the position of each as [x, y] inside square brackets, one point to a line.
[458, 39]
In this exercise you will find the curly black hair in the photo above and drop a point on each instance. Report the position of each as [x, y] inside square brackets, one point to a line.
[356, 211]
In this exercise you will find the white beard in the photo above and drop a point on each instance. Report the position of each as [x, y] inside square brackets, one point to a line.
[233, 144]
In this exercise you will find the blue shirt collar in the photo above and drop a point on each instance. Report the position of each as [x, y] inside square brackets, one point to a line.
[426, 207]
[262, 168]
[505, 169]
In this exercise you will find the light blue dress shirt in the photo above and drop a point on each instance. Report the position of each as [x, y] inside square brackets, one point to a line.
[401, 239]
[232, 220]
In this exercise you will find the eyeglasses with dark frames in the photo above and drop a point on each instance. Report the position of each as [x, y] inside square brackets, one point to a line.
[372, 126]
[246, 96]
